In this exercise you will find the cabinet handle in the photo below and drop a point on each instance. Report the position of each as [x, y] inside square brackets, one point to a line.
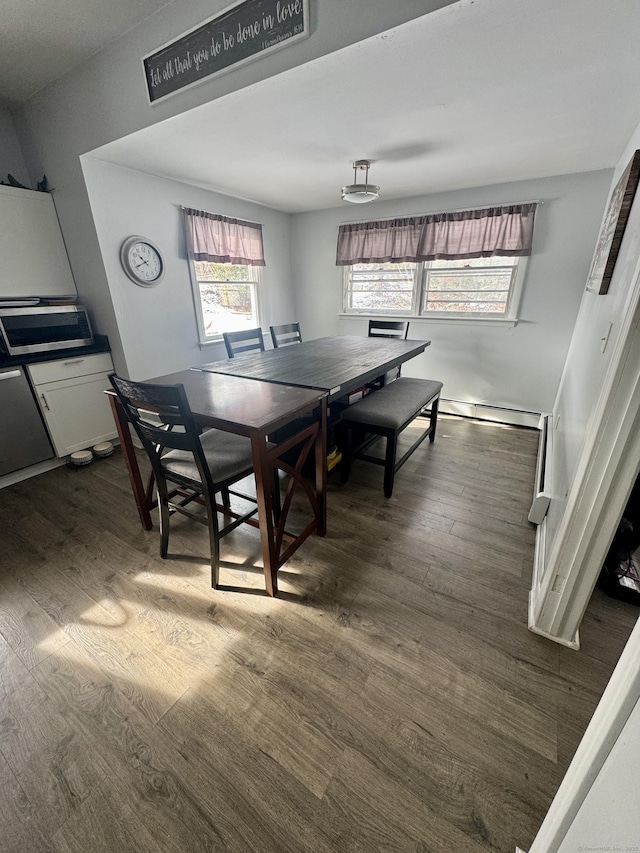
[75, 361]
[44, 402]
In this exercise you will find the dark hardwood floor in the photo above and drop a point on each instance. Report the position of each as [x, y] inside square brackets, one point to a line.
[391, 700]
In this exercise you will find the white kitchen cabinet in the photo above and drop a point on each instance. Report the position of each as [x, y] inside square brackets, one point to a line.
[70, 393]
[33, 257]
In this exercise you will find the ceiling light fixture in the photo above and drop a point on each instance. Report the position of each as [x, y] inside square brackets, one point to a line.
[360, 193]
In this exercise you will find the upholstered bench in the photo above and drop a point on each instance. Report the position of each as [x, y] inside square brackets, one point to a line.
[387, 413]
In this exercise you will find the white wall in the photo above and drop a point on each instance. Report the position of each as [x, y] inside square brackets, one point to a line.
[106, 99]
[11, 159]
[596, 805]
[609, 818]
[512, 367]
[154, 329]
[586, 364]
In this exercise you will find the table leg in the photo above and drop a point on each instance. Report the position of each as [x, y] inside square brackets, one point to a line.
[262, 472]
[321, 469]
[131, 461]
[265, 459]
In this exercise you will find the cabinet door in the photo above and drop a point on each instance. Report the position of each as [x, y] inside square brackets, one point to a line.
[34, 258]
[77, 412]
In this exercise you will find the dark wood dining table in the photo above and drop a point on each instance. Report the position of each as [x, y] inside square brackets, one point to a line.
[337, 365]
[267, 394]
[256, 410]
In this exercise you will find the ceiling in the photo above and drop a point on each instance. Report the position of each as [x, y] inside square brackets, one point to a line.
[40, 40]
[477, 93]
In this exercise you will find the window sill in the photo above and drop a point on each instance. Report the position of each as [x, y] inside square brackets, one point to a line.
[414, 318]
[211, 343]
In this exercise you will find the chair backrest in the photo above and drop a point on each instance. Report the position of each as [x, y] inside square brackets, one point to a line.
[388, 328]
[284, 335]
[244, 341]
[162, 418]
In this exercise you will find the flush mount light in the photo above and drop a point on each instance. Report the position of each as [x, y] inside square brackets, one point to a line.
[360, 193]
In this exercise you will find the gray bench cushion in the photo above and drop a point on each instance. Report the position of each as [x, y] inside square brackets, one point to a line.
[395, 404]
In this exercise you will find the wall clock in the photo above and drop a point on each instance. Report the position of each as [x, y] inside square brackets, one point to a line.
[142, 261]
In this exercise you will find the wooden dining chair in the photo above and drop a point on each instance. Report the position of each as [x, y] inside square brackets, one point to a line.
[244, 341]
[282, 336]
[189, 465]
[388, 329]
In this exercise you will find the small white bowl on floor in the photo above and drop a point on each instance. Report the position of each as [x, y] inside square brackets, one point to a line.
[81, 457]
[105, 448]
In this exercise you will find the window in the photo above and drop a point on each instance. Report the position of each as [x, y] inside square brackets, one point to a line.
[478, 288]
[226, 298]
[224, 256]
[465, 264]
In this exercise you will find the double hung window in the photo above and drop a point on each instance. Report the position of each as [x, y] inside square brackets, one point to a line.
[225, 296]
[465, 265]
[479, 288]
[225, 257]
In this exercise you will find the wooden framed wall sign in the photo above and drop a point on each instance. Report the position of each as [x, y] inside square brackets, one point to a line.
[244, 31]
[613, 225]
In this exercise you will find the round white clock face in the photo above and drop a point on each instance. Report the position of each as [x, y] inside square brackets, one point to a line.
[142, 261]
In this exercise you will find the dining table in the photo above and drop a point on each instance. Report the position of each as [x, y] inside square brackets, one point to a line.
[279, 399]
[337, 365]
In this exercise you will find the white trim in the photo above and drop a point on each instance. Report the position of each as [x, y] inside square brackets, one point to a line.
[31, 471]
[607, 470]
[570, 644]
[414, 318]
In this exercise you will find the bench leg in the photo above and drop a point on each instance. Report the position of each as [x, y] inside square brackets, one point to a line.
[434, 418]
[390, 464]
[345, 465]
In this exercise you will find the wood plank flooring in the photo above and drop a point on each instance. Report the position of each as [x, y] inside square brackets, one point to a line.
[392, 699]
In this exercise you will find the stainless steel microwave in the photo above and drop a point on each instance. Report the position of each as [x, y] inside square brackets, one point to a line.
[44, 328]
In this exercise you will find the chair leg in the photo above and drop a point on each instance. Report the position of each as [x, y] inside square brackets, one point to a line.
[214, 539]
[163, 507]
[434, 419]
[390, 464]
[226, 498]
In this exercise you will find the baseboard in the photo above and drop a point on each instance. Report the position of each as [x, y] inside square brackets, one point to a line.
[570, 644]
[536, 587]
[30, 471]
[38, 468]
[497, 414]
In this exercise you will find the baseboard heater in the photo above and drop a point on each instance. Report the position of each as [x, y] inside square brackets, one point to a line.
[486, 412]
[542, 486]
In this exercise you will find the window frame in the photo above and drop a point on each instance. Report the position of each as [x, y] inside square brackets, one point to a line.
[421, 273]
[256, 288]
